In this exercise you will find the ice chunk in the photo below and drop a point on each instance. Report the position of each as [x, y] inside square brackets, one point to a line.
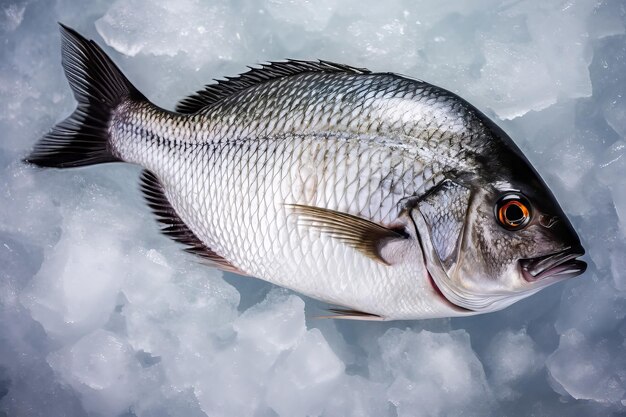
[588, 363]
[592, 306]
[180, 318]
[74, 292]
[609, 81]
[511, 357]
[245, 363]
[313, 371]
[612, 167]
[103, 368]
[176, 49]
[428, 42]
[26, 380]
[587, 370]
[436, 373]
[618, 265]
[286, 313]
[542, 66]
[615, 115]
[356, 396]
[192, 326]
[193, 30]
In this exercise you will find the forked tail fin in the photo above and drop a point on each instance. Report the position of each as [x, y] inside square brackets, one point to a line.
[99, 87]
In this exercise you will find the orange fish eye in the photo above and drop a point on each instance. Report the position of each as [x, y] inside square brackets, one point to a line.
[513, 212]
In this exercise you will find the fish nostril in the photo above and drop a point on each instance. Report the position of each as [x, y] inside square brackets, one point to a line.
[548, 221]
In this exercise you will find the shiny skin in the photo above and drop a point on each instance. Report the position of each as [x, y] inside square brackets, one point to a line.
[370, 145]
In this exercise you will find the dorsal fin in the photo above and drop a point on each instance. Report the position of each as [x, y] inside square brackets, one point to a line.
[212, 93]
[174, 227]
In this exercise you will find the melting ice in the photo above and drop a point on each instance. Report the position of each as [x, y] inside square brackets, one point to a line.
[102, 316]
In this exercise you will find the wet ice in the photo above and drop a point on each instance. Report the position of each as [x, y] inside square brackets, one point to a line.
[100, 315]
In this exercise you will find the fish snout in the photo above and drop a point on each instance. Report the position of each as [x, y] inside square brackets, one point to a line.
[562, 264]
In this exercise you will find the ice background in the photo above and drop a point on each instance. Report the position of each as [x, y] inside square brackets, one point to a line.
[100, 315]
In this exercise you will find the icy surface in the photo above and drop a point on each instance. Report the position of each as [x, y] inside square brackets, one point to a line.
[102, 316]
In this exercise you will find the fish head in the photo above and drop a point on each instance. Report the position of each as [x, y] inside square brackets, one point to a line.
[490, 243]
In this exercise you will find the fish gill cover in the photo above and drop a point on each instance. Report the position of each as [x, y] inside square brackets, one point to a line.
[100, 315]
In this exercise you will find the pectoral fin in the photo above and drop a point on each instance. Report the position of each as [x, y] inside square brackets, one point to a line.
[363, 235]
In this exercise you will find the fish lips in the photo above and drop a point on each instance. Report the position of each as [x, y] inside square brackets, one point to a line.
[558, 265]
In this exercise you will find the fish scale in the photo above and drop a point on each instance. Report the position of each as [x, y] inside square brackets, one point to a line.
[385, 195]
[240, 234]
[230, 164]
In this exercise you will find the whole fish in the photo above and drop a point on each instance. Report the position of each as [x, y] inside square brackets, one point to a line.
[385, 196]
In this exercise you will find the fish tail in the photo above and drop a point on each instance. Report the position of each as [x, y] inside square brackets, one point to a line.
[99, 88]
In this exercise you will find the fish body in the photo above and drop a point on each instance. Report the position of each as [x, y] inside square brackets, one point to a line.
[370, 191]
[231, 173]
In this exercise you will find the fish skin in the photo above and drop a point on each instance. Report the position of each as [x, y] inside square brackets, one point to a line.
[358, 112]
[372, 145]
[318, 154]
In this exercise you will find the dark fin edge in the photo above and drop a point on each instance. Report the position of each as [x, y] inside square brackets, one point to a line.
[351, 314]
[99, 87]
[174, 227]
[213, 93]
[363, 235]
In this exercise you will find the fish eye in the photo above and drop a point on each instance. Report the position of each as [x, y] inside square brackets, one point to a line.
[513, 211]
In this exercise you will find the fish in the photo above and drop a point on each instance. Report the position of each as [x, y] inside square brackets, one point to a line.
[384, 196]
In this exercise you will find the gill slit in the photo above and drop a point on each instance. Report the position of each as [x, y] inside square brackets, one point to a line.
[430, 277]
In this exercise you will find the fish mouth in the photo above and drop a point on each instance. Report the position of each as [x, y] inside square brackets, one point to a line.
[559, 265]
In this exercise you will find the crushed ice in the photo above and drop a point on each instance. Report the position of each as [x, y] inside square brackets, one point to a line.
[102, 316]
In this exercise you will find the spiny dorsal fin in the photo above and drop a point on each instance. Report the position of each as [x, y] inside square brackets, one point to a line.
[212, 93]
[174, 227]
[351, 314]
[363, 235]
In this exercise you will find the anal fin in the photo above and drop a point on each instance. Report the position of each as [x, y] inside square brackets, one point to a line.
[174, 227]
[351, 314]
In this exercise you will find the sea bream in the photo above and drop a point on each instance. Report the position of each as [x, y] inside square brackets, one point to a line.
[384, 196]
